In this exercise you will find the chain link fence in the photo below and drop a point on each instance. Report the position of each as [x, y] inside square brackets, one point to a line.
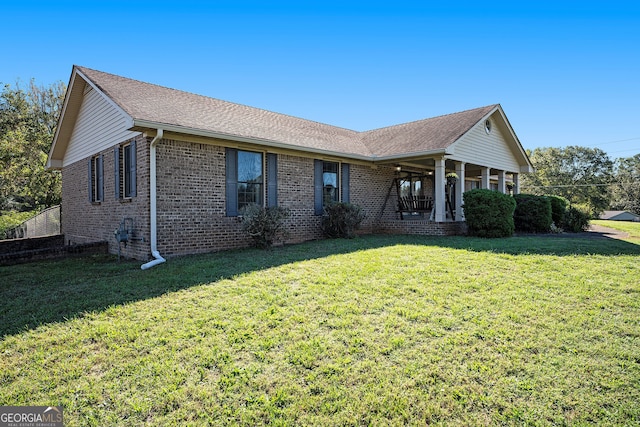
[46, 223]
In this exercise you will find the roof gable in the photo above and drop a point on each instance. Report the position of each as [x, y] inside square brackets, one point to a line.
[497, 146]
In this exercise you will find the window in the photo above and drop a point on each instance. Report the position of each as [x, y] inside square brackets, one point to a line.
[125, 170]
[331, 183]
[487, 126]
[411, 186]
[330, 189]
[250, 179]
[245, 180]
[96, 180]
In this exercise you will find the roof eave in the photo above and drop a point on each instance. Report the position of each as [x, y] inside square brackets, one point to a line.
[143, 125]
[412, 156]
[54, 162]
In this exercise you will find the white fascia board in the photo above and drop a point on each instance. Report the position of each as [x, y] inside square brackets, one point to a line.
[529, 166]
[53, 164]
[65, 103]
[265, 142]
[414, 155]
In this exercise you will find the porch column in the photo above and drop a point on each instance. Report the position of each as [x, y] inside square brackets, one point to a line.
[502, 182]
[459, 191]
[439, 183]
[516, 183]
[485, 173]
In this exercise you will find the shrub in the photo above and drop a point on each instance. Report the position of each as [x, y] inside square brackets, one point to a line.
[488, 213]
[558, 209]
[341, 219]
[575, 220]
[264, 224]
[532, 214]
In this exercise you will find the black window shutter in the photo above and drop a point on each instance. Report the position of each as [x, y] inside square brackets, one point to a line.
[231, 163]
[116, 168]
[100, 173]
[272, 179]
[90, 179]
[132, 162]
[345, 183]
[317, 186]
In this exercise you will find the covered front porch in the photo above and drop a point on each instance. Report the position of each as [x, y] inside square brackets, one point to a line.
[435, 161]
[430, 189]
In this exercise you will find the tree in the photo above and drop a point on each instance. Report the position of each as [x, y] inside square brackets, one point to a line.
[579, 174]
[28, 120]
[626, 189]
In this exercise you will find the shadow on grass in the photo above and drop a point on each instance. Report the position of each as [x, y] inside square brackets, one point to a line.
[45, 292]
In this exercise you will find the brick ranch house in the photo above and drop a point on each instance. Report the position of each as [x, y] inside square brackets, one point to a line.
[172, 170]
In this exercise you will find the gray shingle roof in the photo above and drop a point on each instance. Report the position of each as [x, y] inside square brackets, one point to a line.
[152, 103]
[423, 135]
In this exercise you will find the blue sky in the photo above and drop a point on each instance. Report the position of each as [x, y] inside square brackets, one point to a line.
[566, 73]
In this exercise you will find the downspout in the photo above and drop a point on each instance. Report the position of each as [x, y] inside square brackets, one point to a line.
[152, 204]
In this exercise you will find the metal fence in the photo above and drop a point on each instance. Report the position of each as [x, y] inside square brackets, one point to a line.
[46, 223]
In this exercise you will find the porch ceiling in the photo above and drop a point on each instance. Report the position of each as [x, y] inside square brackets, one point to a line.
[428, 165]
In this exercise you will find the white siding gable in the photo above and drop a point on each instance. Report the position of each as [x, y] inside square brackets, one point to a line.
[99, 125]
[489, 150]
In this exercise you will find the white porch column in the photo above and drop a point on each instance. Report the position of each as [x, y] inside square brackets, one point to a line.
[459, 191]
[439, 183]
[516, 183]
[502, 182]
[485, 174]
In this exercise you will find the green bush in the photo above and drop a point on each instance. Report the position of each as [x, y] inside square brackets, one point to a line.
[264, 224]
[575, 220]
[533, 214]
[341, 219]
[558, 209]
[488, 213]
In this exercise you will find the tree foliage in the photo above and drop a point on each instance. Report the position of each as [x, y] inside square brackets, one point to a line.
[579, 174]
[28, 119]
[626, 189]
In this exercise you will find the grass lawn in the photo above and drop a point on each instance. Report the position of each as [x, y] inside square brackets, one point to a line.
[378, 330]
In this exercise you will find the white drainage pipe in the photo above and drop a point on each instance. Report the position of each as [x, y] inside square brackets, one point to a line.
[152, 204]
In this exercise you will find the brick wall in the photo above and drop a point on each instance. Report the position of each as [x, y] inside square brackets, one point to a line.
[295, 192]
[369, 189]
[17, 245]
[84, 222]
[191, 198]
[191, 214]
[423, 227]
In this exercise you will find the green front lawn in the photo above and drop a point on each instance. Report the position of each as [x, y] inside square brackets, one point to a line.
[379, 330]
